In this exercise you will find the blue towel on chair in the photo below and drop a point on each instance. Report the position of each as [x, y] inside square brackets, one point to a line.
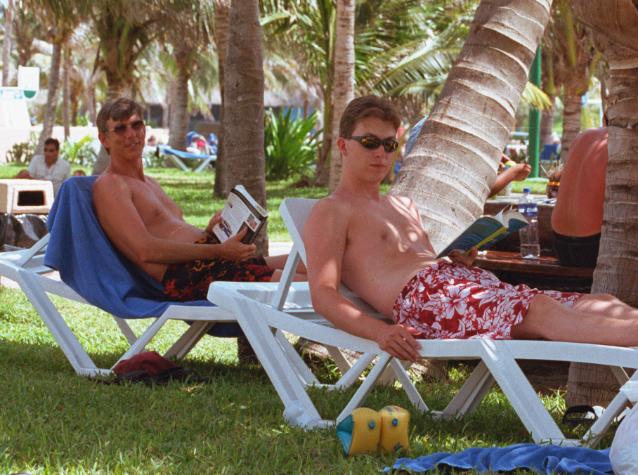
[88, 263]
[546, 459]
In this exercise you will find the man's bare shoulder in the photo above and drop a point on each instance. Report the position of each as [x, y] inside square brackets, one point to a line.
[108, 184]
[328, 213]
[332, 204]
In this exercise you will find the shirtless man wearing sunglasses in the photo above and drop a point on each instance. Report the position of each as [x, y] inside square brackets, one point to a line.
[376, 246]
[147, 227]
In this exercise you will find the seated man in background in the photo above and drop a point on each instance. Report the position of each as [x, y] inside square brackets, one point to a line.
[578, 215]
[509, 171]
[49, 166]
[375, 244]
[147, 227]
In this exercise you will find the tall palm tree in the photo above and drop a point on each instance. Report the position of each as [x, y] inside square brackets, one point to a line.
[304, 31]
[221, 35]
[342, 78]
[449, 178]
[572, 59]
[243, 126]
[26, 29]
[188, 37]
[615, 27]
[61, 17]
[6, 43]
[125, 29]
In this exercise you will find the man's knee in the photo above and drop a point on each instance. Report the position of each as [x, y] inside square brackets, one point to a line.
[23, 174]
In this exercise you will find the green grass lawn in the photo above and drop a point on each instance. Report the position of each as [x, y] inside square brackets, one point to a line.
[52, 421]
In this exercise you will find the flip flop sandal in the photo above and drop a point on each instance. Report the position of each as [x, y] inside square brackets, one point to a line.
[582, 414]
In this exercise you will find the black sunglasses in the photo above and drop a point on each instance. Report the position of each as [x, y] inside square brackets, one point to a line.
[372, 142]
[121, 129]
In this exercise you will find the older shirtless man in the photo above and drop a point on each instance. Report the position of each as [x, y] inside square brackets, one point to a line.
[578, 216]
[376, 246]
[147, 227]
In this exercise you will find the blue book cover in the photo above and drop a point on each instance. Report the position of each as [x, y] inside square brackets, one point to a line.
[486, 231]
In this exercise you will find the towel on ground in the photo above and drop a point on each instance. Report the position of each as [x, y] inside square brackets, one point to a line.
[545, 459]
[88, 263]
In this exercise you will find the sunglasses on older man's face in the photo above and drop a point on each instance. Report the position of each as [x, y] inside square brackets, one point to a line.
[121, 129]
[372, 142]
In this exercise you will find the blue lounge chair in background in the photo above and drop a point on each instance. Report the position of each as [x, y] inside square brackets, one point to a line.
[178, 157]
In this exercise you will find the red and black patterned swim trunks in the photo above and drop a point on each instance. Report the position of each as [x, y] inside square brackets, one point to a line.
[190, 280]
[447, 300]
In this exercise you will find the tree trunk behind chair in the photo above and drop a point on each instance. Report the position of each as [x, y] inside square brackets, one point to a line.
[52, 95]
[454, 162]
[343, 79]
[221, 35]
[244, 106]
[617, 269]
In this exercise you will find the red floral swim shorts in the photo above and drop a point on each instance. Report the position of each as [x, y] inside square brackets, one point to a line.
[447, 300]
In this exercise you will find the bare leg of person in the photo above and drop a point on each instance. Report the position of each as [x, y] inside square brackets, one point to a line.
[606, 304]
[278, 262]
[550, 320]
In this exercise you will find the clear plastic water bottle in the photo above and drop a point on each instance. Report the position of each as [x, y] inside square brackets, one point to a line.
[530, 247]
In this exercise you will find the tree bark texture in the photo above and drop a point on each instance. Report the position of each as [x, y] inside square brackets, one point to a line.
[572, 107]
[454, 162]
[6, 45]
[179, 106]
[52, 96]
[616, 26]
[221, 35]
[66, 89]
[596, 14]
[343, 79]
[244, 104]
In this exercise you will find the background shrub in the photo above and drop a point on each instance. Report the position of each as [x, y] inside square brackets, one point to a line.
[291, 144]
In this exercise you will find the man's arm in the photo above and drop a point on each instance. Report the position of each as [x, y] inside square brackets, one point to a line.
[324, 275]
[124, 226]
[517, 172]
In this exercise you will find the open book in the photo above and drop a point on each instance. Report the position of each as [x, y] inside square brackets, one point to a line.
[241, 211]
[486, 231]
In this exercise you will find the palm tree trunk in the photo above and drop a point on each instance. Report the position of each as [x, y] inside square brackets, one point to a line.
[343, 79]
[456, 156]
[52, 95]
[66, 90]
[616, 270]
[547, 122]
[222, 34]
[244, 104]
[179, 108]
[6, 45]
[572, 107]
[325, 150]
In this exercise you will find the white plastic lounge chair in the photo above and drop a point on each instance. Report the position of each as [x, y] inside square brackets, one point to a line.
[258, 308]
[37, 280]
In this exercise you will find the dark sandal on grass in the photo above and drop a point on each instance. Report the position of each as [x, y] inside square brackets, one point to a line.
[582, 414]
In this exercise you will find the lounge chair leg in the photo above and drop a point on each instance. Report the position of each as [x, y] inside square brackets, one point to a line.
[613, 409]
[401, 373]
[299, 409]
[71, 347]
[477, 385]
[301, 369]
[366, 386]
[188, 340]
[521, 394]
[126, 330]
